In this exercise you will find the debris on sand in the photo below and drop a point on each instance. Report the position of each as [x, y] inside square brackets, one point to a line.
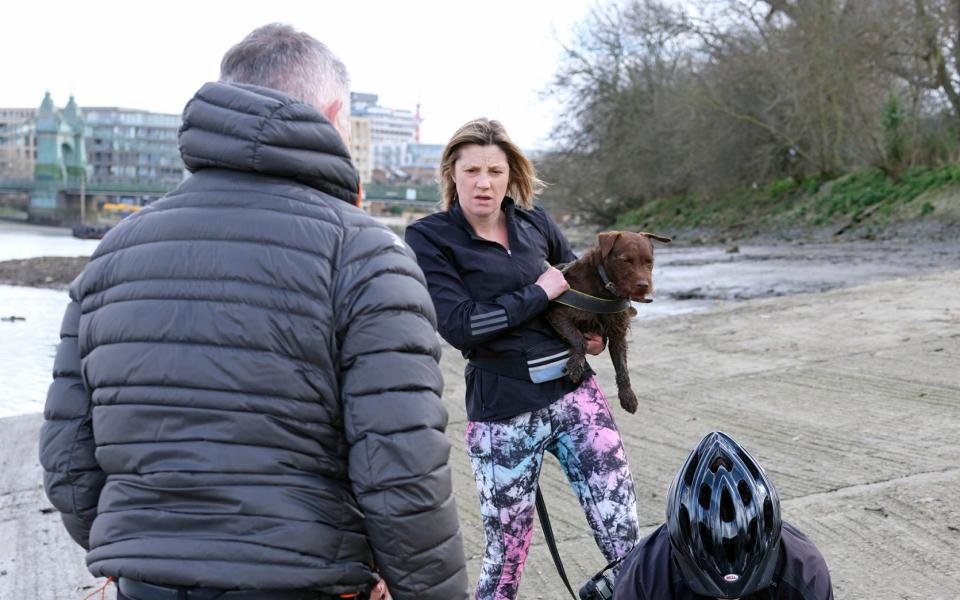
[46, 271]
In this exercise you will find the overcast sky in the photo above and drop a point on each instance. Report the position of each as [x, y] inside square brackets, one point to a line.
[459, 59]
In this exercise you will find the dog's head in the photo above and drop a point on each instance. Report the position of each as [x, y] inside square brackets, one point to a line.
[627, 259]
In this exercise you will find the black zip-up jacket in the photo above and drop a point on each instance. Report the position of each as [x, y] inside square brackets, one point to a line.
[246, 391]
[489, 306]
[649, 572]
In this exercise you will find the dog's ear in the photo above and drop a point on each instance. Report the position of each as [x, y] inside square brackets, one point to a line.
[606, 240]
[655, 236]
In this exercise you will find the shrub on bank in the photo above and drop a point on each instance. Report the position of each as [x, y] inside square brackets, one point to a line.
[809, 203]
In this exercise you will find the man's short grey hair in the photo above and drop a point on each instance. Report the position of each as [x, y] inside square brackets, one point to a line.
[278, 56]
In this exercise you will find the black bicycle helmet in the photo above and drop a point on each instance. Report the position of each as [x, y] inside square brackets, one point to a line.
[723, 519]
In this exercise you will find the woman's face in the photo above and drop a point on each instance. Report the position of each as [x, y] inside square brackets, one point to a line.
[481, 175]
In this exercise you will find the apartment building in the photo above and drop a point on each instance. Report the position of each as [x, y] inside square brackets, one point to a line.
[391, 130]
[18, 142]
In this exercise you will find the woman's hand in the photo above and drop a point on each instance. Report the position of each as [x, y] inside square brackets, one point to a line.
[380, 591]
[553, 282]
[595, 343]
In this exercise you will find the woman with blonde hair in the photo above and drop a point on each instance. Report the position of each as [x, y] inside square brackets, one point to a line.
[484, 259]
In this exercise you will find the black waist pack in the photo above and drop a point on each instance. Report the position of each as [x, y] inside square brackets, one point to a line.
[545, 361]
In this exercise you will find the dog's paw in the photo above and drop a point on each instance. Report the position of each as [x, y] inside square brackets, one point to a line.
[576, 365]
[628, 400]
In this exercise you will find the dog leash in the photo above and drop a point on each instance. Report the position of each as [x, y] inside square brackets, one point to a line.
[551, 542]
[555, 553]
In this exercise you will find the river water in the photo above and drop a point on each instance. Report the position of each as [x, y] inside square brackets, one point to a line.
[687, 279]
[27, 347]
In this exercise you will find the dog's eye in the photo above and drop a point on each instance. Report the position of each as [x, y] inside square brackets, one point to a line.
[625, 258]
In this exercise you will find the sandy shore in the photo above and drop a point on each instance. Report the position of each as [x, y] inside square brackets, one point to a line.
[850, 398]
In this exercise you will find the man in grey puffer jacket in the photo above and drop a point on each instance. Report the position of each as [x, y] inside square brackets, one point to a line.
[246, 395]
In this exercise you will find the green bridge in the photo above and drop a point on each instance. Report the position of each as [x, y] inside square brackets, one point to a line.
[70, 200]
[73, 199]
[71, 181]
[61, 190]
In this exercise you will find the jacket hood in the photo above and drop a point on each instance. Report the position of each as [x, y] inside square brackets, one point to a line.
[260, 130]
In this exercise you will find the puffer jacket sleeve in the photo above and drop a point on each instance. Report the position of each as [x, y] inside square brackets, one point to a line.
[394, 418]
[72, 478]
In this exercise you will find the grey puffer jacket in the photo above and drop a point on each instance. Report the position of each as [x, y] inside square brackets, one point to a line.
[247, 394]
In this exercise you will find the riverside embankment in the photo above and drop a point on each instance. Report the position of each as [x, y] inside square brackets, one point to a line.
[689, 278]
[849, 397]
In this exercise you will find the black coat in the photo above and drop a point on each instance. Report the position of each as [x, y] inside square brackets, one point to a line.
[247, 393]
[490, 308]
[649, 572]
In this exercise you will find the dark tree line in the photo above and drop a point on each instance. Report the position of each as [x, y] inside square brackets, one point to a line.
[664, 100]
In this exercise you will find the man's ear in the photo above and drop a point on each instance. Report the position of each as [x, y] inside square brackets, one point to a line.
[606, 240]
[332, 111]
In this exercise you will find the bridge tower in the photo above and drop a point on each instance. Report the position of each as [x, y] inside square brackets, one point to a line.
[75, 160]
[61, 160]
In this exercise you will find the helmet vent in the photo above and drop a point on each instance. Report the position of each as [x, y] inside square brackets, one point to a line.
[767, 516]
[730, 550]
[752, 533]
[727, 512]
[684, 518]
[745, 495]
[704, 496]
[751, 466]
[706, 539]
[720, 461]
[691, 469]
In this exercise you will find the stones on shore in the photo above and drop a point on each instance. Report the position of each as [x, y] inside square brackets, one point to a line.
[45, 271]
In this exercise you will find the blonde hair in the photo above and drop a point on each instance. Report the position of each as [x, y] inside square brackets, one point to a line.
[522, 184]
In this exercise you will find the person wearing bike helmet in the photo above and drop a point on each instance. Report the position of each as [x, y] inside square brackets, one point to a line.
[724, 537]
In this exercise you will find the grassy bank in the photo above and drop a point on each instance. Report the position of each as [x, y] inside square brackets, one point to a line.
[920, 201]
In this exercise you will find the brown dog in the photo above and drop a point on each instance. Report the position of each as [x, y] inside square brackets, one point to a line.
[619, 267]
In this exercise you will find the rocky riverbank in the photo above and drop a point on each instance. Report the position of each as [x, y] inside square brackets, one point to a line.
[686, 274]
[54, 272]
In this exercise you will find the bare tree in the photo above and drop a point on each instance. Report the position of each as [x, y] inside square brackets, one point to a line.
[919, 42]
[812, 87]
[618, 134]
[714, 95]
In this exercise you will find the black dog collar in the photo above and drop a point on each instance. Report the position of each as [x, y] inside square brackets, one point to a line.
[586, 302]
[607, 284]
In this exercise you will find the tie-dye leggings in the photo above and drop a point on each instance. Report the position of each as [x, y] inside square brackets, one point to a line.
[506, 456]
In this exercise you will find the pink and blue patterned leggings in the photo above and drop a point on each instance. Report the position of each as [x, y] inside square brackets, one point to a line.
[506, 456]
